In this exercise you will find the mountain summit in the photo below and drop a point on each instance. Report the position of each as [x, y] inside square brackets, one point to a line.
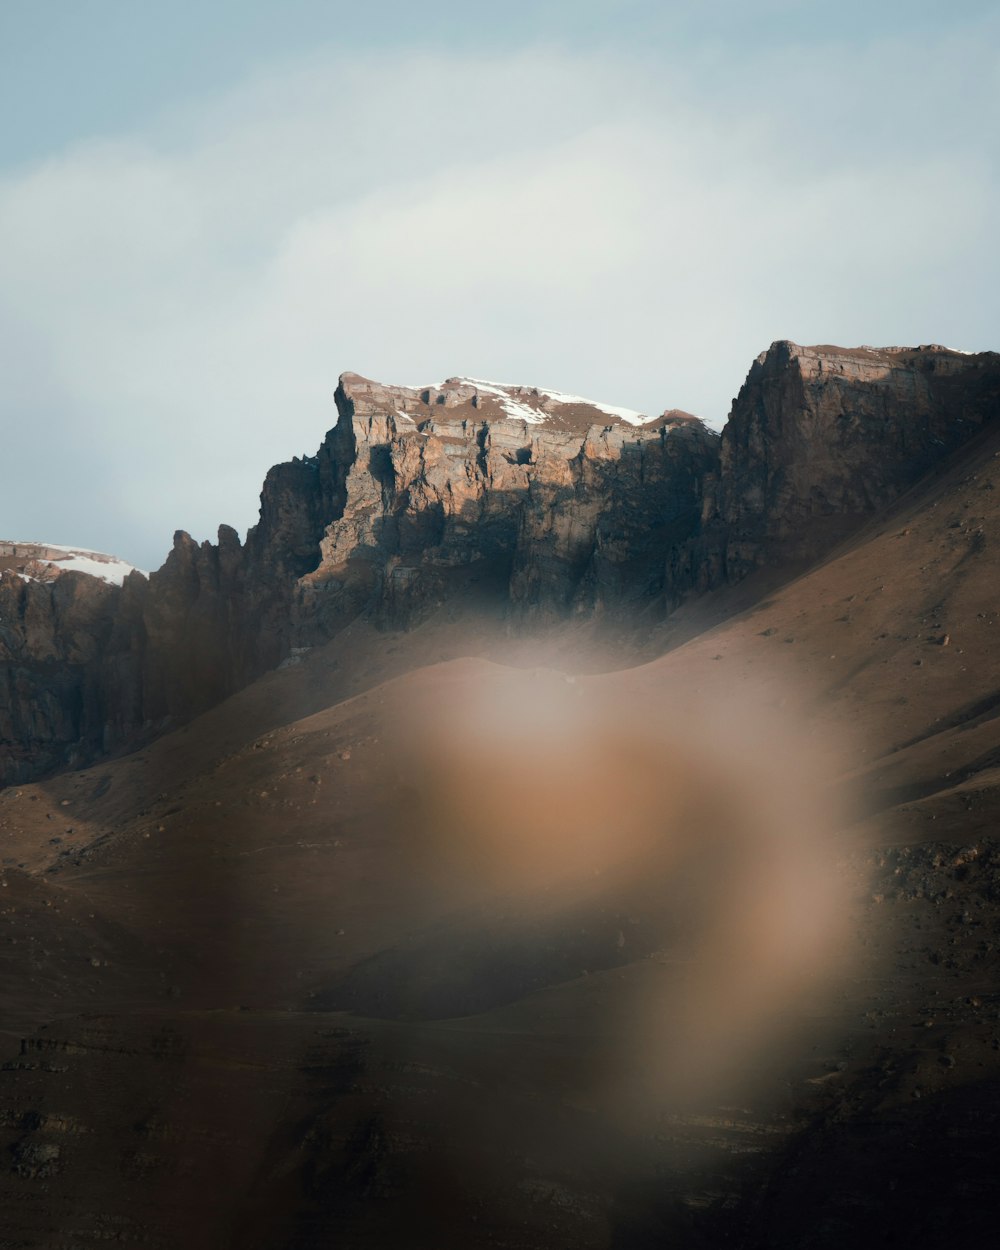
[465, 399]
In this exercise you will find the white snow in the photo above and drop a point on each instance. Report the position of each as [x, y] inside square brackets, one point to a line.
[623, 414]
[512, 407]
[78, 560]
[524, 412]
[108, 569]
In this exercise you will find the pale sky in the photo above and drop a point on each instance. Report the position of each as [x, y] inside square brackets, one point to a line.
[208, 211]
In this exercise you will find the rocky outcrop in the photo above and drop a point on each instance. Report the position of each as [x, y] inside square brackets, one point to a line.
[821, 437]
[53, 635]
[596, 528]
[575, 514]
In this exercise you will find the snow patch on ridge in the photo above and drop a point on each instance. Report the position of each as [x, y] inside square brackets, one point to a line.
[108, 569]
[512, 407]
[75, 560]
[520, 411]
[623, 414]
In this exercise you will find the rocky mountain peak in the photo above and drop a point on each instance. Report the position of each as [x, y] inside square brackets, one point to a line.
[858, 361]
[460, 399]
[568, 501]
[820, 437]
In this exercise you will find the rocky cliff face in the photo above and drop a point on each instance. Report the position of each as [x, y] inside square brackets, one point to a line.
[821, 437]
[573, 507]
[60, 610]
[575, 512]
[52, 637]
[568, 504]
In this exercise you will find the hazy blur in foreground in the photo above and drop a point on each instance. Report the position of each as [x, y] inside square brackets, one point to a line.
[706, 825]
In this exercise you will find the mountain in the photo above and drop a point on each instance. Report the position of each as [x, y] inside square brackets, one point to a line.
[620, 876]
[410, 494]
[567, 509]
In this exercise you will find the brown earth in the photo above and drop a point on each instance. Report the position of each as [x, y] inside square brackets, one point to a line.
[314, 970]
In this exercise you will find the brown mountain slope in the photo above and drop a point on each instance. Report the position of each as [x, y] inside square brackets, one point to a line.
[284, 1009]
